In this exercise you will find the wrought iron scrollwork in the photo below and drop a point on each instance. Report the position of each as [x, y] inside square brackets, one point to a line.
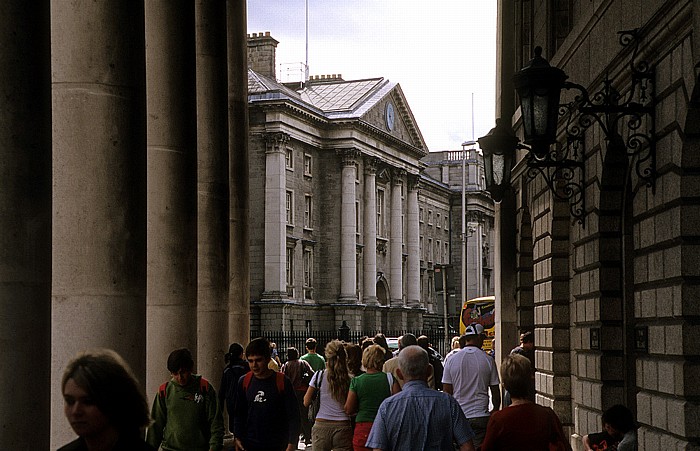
[609, 109]
[559, 170]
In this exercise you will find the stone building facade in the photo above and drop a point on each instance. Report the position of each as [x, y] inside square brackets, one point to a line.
[613, 299]
[349, 226]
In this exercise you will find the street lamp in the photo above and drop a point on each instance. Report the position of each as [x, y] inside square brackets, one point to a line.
[464, 220]
[539, 87]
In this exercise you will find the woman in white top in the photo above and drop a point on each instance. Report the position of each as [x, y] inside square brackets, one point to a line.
[332, 429]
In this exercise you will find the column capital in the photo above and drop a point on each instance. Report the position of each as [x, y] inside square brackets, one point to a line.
[397, 175]
[348, 156]
[413, 182]
[275, 142]
[371, 165]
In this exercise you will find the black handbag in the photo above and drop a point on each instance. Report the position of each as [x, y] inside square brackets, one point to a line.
[316, 400]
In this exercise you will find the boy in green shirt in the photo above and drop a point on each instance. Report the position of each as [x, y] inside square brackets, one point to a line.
[186, 414]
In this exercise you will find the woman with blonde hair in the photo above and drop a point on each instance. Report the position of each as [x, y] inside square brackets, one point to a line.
[332, 429]
[367, 391]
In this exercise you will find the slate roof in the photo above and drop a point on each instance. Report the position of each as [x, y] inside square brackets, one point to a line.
[333, 98]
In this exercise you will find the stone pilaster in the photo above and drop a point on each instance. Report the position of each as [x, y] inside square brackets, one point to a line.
[396, 239]
[275, 216]
[171, 191]
[370, 229]
[99, 192]
[212, 187]
[239, 191]
[348, 227]
[412, 244]
[25, 223]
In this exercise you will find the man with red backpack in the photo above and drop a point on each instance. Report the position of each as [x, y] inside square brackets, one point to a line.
[266, 416]
[186, 414]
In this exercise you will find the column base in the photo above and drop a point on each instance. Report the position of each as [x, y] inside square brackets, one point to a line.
[347, 299]
[396, 303]
[413, 303]
[370, 300]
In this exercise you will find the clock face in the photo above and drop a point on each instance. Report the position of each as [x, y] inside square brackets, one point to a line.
[390, 116]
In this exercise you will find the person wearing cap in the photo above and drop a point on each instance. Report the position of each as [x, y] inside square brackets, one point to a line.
[469, 375]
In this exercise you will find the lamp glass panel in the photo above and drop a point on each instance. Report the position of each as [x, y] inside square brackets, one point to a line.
[541, 112]
[499, 163]
[526, 106]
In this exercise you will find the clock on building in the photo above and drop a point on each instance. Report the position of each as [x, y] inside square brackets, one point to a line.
[389, 116]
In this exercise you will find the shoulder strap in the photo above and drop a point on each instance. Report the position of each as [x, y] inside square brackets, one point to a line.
[161, 389]
[246, 380]
[203, 385]
[280, 382]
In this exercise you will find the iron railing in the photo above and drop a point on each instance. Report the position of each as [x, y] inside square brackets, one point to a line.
[297, 339]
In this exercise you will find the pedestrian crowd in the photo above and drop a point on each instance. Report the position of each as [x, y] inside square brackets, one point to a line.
[350, 397]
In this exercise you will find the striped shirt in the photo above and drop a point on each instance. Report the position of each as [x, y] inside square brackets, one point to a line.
[419, 418]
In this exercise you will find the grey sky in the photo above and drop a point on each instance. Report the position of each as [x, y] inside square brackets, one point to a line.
[439, 51]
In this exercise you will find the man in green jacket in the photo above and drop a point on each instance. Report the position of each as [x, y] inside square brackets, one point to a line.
[186, 412]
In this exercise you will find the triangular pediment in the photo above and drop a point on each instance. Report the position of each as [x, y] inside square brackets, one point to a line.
[392, 115]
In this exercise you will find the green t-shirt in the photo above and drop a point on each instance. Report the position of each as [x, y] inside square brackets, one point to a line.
[316, 361]
[371, 390]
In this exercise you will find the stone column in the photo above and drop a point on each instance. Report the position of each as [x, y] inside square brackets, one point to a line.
[370, 229]
[396, 240]
[239, 259]
[172, 166]
[275, 216]
[25, 224]
[212, 188]
[99, 216]
[412, 245]
[348, 228]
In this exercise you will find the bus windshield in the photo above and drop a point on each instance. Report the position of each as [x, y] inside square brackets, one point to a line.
[482, 311]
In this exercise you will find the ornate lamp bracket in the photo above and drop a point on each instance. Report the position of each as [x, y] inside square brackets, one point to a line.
[628, 120]
[563, 171]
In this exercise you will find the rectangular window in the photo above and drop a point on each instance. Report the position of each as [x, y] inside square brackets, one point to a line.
[380, 212]
[420, 248]
[289, 202]
[289, 159]
[430, 250]
[289, 274]
[438, 252]
[430, 217]
[446, 253]
[357, 217]
[447, 222]
[308, 272]
[421, 215]
[308, 165]
[308, 211]
[438, 221]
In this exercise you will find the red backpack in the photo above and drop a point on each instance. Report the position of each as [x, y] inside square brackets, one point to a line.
[279, 379]
[203, 387]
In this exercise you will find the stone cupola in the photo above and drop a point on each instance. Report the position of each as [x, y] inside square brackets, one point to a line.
[261, 54]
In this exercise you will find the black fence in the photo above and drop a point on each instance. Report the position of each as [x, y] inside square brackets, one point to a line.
[283, 340]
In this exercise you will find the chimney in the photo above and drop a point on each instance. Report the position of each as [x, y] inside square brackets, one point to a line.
[261, 54]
